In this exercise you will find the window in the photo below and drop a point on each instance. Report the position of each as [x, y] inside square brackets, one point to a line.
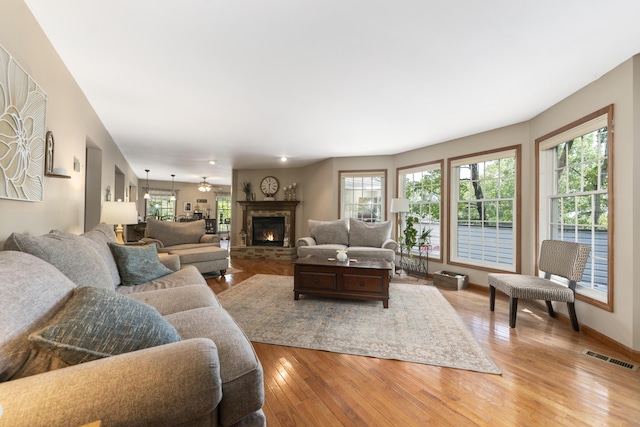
[223, 207]
[574, 193]
[484, 194]
[159, 205]
[362, 195]
[422, 186]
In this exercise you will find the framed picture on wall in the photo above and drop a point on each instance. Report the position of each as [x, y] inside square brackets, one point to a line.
[187, 206]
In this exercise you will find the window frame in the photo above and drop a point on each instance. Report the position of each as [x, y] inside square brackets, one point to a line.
[401, 192]
[452, 208]
[548, 142]
[163, 195]
[369, 173]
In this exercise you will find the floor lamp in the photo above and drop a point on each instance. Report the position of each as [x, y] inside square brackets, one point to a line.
[400, 206]
[118, 213]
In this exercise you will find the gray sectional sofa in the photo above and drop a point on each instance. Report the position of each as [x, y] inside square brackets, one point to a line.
[358, 238]
[77, 346]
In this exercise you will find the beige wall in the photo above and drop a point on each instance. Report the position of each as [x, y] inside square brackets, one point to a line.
[72, 121]
[620, 87]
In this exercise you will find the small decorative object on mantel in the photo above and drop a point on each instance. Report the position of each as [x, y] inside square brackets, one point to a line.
[290, 192]
[246, 189]
[269, 187]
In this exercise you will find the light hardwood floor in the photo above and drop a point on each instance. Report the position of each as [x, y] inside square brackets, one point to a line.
[545, 379]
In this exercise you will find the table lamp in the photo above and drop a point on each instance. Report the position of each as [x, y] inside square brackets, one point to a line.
[118, 213]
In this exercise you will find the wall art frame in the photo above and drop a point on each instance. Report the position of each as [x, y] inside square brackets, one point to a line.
[23, 124]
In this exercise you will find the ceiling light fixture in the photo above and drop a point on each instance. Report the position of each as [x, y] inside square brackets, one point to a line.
[204, 186]
[283, 159]
[173, 193]
[212, 162]
[146, 190]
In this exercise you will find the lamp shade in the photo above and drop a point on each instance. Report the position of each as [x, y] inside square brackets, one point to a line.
[399, 205]
[119, 213]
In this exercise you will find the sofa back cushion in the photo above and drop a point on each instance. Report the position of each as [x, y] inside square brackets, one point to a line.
[73, 255]
[371, 234]
[101, 235]
[175, 233]
[32, 291]
[332, 232]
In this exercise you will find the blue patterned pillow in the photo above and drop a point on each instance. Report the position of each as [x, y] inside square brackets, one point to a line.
[98, 323]
[138, 264]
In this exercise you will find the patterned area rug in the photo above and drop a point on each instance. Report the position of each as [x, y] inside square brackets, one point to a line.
[419, 326]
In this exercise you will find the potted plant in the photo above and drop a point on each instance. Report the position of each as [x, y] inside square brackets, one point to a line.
[409, 238]
[246, 189]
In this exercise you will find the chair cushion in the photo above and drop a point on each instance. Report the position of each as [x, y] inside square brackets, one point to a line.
[138, 264]
[118, 324]
[175, 233]
[329, 232]
[73, 255]
[530, 287]
[372, 234]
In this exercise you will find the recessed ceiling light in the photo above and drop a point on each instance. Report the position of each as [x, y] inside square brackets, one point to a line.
[283, 159]
[212, 162]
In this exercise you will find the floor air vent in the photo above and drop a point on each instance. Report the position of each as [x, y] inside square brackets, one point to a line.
[612, 360]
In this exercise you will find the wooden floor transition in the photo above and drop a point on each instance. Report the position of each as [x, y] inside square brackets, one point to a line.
[545, 379]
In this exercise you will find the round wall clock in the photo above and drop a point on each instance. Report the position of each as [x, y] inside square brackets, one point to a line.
[269, 186]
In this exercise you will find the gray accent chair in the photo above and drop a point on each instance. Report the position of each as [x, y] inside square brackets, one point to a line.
[564, 259]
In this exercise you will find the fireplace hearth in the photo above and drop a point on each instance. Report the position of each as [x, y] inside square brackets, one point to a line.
[268, 231]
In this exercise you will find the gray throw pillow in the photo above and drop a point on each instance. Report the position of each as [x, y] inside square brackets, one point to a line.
[329, 232]
[74, 256]
[101, 235]
[370, 234]
[138, 264]
[98, 323]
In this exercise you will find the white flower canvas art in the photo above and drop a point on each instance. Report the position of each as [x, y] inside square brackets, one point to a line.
[23, 106]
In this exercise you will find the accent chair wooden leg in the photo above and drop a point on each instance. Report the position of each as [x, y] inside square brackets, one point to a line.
[550, 309]
[572, 315]
[492, 298]
[513, 310]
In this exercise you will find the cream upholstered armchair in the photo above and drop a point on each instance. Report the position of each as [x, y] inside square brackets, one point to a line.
[565, 259]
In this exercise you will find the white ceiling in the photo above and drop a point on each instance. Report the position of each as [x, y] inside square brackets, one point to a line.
[244, 82]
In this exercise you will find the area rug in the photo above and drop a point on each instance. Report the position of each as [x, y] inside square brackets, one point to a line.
[419, 326]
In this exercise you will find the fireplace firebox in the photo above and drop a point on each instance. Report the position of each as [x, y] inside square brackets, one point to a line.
[267, 230]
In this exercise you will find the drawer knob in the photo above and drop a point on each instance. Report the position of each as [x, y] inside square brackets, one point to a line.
[361, 283]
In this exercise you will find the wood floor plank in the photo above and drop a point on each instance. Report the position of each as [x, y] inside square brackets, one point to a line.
[545, 379]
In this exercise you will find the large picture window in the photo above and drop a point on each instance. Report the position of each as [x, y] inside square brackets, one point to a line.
[422, 186]
[484, 196]
[575, 188]
[160, 206]
[362, 195]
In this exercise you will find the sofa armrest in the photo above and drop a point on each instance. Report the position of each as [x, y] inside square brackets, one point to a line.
[390, 244]
[172, 262]
[166, 385]
[210, 238]
[149, 240]
[306, 241]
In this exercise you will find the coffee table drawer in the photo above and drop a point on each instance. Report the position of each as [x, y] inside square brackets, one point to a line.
[359, 283]
[316, 280]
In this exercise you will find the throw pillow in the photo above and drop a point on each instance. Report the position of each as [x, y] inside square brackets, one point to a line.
[74, 256]
[329, 232]
[98, 323]
[101, 235]
[138, 264]
[175, 233]
[370, 234]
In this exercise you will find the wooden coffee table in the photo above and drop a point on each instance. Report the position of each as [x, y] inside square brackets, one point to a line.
[361, 278]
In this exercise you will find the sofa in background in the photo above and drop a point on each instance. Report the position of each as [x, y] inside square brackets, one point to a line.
[77, 346]
[358, 238]
[190, 242]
